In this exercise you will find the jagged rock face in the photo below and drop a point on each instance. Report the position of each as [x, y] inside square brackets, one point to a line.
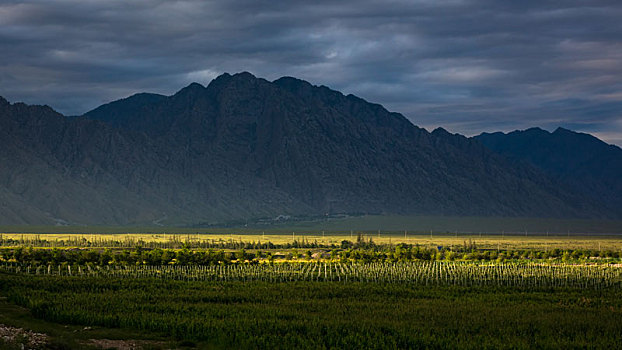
[243, 148]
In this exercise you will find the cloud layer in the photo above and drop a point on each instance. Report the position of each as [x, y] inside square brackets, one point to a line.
[469, 66]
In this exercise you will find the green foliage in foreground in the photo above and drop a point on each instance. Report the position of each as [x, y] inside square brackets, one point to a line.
[318, 315]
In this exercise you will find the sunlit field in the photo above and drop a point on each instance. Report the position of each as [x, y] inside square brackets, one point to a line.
[168, 288]
[499, 241]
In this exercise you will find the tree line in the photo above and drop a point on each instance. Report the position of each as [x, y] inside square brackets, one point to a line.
[346, 253]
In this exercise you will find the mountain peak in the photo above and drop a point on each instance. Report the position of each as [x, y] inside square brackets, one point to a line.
[244, 75]
[194, 86]
[191, 91]
[226, 78]
[440, 131]
[535, 130]
[561, 130]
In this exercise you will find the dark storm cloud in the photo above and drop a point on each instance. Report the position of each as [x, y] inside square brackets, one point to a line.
[469, 66]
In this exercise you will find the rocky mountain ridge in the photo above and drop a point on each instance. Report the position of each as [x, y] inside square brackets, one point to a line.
[580, 161]
[243, 147]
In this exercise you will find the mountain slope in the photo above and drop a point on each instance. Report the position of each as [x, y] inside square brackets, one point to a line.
[60, 170]
[341, 154]
[244, 148]
[583, 162]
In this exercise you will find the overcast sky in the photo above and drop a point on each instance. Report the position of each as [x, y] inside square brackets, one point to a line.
[468, 66]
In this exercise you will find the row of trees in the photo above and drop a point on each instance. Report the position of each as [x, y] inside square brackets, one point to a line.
[180, 242]
[400, 252]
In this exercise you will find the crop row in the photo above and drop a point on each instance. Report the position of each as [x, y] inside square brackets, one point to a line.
[420, 273]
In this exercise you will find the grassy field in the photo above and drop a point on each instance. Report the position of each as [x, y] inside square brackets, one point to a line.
[163, 288]
[310, 304]
[482, 241]
[18, 320]
[318, 315]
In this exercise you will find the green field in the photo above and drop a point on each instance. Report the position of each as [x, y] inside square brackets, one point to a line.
[321, 240]
[337, 290]
[323, 315]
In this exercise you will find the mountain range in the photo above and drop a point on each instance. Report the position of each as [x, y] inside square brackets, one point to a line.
[244, 148]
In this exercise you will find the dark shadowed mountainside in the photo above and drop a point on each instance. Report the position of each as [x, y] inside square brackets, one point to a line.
[244, 148]
[580, 161]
